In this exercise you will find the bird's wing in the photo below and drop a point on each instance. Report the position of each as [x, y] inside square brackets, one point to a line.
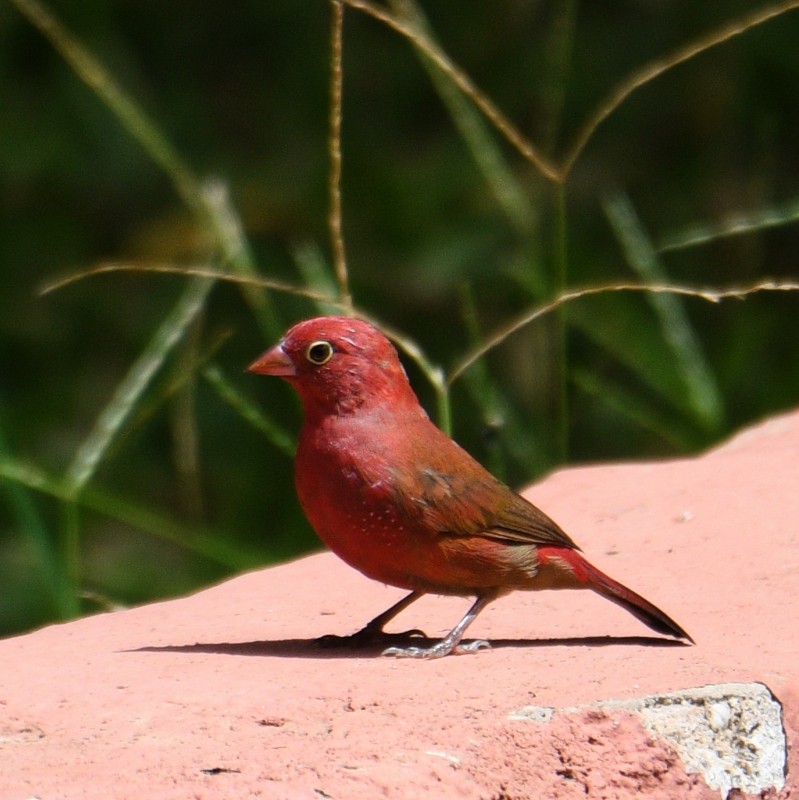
[443, 488]
[480, 505]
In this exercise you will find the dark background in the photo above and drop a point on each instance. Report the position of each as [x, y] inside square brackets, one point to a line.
[241, 91]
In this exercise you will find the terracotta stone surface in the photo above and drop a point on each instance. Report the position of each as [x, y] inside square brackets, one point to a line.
[224, 695]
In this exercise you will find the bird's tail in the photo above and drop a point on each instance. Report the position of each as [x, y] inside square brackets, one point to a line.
[590, 577]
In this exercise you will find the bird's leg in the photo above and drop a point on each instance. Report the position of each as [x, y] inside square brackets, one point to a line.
[451, 642]
[373, 633]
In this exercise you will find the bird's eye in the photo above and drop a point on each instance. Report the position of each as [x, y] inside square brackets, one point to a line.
[319, 352]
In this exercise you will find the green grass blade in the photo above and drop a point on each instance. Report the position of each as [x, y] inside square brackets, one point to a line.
[129, 113]
[248, 411]
[133, 385]
[29, 523]
[521, 442]
[736, 225]
[69, 547]
[485, 151]
[208, 201]
[194, 539]
[317, 276]
[689, 361]
[633, 407]
[236, 254]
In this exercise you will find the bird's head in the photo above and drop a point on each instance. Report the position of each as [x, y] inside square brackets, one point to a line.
[337, 365]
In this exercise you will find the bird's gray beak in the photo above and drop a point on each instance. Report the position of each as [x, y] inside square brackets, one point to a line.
[273, 362]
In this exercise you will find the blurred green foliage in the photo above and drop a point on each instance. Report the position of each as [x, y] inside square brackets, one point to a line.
[450, 234]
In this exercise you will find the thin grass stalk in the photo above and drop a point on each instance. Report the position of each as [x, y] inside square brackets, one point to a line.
[70, 555]
[556, 58]
[739, 224]
[193, 539]
[561, 326]
[487, 155]
[559, 172]
[118, 101]
[703, 397]
[334, 151]
[184, 427]
[654, 69]
[247, 410]
[178, 378]
[667, 428]
[315, 273]
[129, 391]
[482, 388]
[711, 295]
[208, 201]
[497, 118]
[234, 252]
[188, 271]
[27, 520]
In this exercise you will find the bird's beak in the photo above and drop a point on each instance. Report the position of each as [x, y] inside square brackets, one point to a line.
[273, 362]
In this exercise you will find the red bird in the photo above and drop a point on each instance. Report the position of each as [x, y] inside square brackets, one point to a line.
[396, 498]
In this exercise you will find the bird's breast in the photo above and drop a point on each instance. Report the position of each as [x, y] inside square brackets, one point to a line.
[357, 492]
[344, 485]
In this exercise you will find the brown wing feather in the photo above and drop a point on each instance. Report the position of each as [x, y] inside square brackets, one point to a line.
[454, 495]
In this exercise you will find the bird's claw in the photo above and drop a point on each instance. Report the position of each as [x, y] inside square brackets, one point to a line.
[369, 637]
[439, 650]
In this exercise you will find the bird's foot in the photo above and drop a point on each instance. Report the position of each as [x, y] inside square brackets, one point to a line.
[443, 648]
[368, 637]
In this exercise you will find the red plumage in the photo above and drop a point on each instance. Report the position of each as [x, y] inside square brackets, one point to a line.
[397, 499]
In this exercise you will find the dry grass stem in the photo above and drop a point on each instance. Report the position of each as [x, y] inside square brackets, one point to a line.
[465, 84]
[334, 152]
[192, 272]
[131, 116]
[656, 68]
[709, 294]
[552, 171]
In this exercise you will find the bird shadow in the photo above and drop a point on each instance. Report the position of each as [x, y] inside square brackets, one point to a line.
[311, 648]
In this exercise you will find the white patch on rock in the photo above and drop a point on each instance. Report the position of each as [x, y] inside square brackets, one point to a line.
[730, 733]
